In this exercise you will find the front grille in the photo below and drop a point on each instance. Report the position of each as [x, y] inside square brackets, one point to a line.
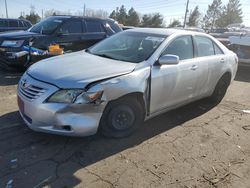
[30, 91]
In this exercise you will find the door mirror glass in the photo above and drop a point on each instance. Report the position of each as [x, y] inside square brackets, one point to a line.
[168, 60]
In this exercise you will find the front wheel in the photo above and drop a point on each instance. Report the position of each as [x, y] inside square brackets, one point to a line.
[121, 117]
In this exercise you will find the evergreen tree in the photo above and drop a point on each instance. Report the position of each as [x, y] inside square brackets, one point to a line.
[113, 15]
[152, 20]
[232, 13]
[157, 20]
[175, 23]
[213, 13]
[146, 20]
[194, 17]
[133, 18]
[122, 16]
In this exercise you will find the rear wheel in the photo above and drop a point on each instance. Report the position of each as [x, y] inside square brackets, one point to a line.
[121, 117]
[221, 89]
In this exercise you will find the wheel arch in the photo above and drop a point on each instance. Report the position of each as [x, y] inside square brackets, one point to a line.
[140, 96]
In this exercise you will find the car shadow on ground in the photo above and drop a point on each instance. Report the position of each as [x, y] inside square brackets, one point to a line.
[243, 74]
[59, 150]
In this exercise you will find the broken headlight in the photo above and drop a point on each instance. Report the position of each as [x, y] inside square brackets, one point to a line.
[77, 96]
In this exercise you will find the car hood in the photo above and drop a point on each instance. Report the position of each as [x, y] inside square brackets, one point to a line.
[77, 70]
[18, 35]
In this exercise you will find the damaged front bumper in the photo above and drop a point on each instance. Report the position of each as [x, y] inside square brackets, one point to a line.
[57, 118]
[13, 56]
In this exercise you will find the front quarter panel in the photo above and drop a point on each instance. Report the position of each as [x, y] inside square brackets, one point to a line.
[134, 82]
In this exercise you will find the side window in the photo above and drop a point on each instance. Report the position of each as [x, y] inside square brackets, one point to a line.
[73, 26]
[3, 23]
[182, 47]
[204, 46]
[13, 23]
[20, 23]
[94, 26]
[217, 49]
[25, 24]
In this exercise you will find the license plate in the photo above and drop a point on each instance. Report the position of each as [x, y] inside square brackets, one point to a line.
[20, 105]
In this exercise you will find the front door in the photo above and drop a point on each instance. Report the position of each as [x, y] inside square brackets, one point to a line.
[173, 85]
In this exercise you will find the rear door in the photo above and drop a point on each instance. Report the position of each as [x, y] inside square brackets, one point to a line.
[69, 35]
[13, 25]
[95, 32]
[173, 85]
[211, 58]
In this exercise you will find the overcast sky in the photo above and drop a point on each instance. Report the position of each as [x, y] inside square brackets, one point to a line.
[171, 9]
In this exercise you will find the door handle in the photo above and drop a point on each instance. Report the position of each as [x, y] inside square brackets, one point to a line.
[194, 67]
[222, 60]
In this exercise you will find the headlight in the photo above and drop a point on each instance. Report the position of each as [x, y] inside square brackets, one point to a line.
[75, 96]
[12, 43]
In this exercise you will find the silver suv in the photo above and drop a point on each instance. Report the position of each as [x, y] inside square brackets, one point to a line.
[124, 80]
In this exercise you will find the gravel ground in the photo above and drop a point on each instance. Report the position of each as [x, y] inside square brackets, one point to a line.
[198, 145]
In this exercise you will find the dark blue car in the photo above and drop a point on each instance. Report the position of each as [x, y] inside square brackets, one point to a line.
[14, 24]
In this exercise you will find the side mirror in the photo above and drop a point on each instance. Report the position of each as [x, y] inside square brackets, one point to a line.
[168, 60]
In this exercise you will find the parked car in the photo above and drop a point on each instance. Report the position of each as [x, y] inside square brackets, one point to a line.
[241, 46]
[123, 80]
[70, 32]
[8, 24]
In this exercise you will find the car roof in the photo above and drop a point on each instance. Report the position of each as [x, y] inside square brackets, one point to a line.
[82, 17]
[164, 31]
[15, 19]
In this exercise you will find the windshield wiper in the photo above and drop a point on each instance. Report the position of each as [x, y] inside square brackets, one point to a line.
[106, 56]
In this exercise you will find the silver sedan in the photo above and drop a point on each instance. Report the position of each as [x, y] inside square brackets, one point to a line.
[116, 85]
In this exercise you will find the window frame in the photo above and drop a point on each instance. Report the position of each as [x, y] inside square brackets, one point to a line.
[213, 44]
[172, 40]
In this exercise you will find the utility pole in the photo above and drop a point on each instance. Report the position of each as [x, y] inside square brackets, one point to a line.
[84, 10]
[185, 19]
[6, 8]
[42, 13]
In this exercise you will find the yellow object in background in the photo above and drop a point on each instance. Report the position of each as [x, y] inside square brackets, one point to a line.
[55, 50]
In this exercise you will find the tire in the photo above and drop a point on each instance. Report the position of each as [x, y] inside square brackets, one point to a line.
[121, 117]
[220, 89]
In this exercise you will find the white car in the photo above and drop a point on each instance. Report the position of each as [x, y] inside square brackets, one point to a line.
[124, 80]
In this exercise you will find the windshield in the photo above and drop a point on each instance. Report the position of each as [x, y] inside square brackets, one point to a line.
[47, 26]
[128, 46]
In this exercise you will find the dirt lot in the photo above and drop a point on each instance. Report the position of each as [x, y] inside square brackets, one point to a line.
[199, 145]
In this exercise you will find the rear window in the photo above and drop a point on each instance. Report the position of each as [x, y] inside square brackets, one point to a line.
[94, 26]
[13, 23]
[3, 23]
